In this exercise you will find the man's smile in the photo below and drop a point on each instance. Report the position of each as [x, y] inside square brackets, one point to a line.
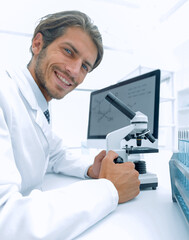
[63, 82]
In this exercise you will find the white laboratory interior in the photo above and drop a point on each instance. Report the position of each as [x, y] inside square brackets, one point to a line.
[138, 37]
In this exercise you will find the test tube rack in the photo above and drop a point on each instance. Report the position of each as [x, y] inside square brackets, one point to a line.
[179, 173]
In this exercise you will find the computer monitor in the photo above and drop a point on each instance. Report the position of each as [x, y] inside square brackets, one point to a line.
[141, 93]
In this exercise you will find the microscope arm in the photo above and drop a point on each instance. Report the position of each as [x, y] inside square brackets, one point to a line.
[113, 138]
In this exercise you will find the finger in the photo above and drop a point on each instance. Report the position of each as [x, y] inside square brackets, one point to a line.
[129, 165]
[101, 155]
[111, 155]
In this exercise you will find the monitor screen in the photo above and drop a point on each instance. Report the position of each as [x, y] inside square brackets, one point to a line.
[140, 93]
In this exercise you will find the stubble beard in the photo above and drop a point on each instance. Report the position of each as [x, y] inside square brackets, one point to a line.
[39, 74]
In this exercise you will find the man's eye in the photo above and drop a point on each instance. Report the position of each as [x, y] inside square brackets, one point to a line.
[68, 51]
[85, 67]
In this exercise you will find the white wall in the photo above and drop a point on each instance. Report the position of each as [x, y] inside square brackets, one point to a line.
[70, 117]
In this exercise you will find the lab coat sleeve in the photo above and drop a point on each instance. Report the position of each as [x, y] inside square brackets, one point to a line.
[57, 214]
[67, 161]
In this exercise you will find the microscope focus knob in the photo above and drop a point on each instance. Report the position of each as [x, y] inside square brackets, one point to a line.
[118, 160]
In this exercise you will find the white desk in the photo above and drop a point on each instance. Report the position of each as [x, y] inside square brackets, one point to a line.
[150, 216]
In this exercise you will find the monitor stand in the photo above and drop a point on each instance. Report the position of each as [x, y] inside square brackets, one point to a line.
[96, 143]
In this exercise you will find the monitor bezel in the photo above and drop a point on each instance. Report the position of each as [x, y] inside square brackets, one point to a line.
[155, 73]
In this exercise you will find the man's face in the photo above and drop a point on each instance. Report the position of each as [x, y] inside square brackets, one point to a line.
[63, 65]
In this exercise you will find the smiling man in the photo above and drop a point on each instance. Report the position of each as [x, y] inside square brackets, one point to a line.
[62, 66]
[66, 46]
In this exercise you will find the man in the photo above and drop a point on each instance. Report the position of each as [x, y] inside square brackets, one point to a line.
[65, 47]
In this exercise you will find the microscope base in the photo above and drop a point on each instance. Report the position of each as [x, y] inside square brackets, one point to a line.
[148, 180]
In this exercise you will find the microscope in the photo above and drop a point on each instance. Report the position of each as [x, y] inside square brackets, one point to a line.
[127, 142]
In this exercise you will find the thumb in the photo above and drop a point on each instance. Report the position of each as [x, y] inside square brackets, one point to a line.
[111, 155]
[108, 165]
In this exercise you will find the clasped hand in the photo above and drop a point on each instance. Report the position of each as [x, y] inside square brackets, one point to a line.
[123, 176]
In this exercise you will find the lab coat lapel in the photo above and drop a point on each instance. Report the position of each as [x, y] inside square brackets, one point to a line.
[29, 96]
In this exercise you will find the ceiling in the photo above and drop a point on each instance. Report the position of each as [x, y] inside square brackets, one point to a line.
[124, 24]
[138, 29]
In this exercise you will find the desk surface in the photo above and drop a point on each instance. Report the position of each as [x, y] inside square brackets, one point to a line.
[151, 215]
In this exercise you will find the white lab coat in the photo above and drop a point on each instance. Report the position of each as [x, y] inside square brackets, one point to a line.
[27, 150]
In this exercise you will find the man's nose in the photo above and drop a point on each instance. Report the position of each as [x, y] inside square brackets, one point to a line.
[74, 67]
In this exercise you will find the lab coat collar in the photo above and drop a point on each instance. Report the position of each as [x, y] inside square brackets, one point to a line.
[24, 87]
[27, 92]
[42, 102]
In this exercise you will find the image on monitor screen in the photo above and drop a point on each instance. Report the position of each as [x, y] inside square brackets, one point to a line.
[141, 93]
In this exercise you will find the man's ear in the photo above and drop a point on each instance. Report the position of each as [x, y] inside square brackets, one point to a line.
[37, 43]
